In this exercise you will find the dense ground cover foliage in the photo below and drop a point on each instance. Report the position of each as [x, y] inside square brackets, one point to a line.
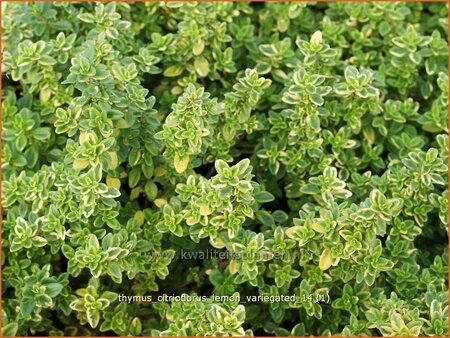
[302, 146]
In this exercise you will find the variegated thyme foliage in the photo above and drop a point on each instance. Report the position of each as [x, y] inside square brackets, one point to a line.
[304, 144]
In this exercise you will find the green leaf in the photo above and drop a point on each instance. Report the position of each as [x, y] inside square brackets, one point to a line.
[263, 197]
[31, 155]
[27, 307]
[21, 142]
[134, 177]
[47, 60]
[265, 217]
[115, 271]
[10, 329]
[181, 164]
[53, 289]
[93, 317]
[316, 99]
[41, 133]
[310, 189]
[384, 28]
[68, 251]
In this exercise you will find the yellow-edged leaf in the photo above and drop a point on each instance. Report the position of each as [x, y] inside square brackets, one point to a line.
[290, 232]
[80, 164]
[113, 162]
[232, 267]
[217, 243]
[151, 190]
[180, 164]
[317, 227]
[201, 67]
